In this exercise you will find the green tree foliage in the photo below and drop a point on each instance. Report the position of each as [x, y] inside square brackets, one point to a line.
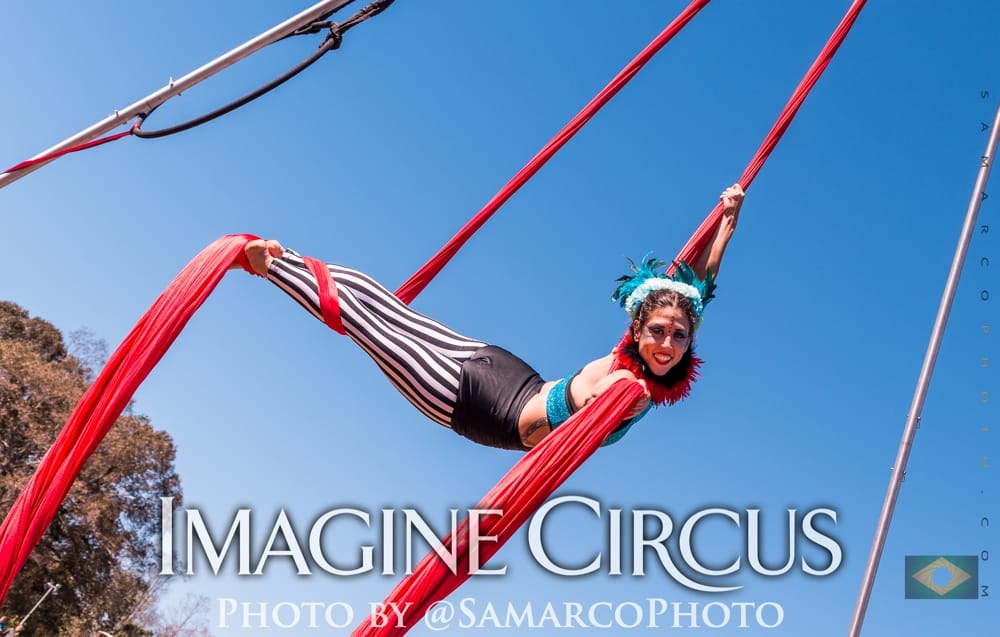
[101, 548]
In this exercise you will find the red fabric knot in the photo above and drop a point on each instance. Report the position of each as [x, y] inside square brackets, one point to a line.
[329, 302]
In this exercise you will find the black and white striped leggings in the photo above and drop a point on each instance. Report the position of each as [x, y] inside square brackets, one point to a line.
[422, 358]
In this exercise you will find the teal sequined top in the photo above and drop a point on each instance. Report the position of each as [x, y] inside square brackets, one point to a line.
[559, 406]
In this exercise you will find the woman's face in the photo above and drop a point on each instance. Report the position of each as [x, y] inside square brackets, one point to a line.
[663, 339]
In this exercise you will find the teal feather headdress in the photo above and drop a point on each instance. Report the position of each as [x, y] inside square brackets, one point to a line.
[650, 275]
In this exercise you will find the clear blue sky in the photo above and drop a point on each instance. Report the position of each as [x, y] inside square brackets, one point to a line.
[376, 155]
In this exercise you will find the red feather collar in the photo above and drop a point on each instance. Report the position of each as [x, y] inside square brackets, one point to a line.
[659, 392]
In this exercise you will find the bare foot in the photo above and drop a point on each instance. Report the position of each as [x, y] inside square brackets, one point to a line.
[261, 252]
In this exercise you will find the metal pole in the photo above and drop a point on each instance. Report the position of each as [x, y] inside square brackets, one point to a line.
[51, 588]
[175, 87]
[913, 419]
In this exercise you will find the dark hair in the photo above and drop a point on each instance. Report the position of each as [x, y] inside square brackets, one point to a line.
[656, 300]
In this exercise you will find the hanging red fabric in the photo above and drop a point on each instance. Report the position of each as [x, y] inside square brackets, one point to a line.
[105, 400]
[416, 283]
[518, 495]
[699, 240]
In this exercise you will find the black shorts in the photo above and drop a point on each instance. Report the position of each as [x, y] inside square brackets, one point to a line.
[493, 389]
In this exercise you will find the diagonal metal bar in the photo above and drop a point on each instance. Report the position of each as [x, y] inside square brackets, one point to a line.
[175, 87]
[923, 381]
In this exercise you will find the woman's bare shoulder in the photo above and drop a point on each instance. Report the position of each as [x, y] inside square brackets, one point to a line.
[597, 368]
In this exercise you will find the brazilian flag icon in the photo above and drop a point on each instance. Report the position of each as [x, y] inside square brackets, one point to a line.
[942, 577]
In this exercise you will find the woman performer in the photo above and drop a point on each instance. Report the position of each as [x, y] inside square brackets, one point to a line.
[484, 392]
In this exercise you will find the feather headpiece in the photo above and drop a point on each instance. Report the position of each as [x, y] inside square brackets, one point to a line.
[650, 276]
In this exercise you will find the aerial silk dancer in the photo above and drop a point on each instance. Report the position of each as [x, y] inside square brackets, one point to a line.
[616, 402]
[536, 476]
[135, 358]
[487, 394]
[482, 391]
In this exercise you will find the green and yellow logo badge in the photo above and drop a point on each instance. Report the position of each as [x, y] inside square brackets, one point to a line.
[942, 577]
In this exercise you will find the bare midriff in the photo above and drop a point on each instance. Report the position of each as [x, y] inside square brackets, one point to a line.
[534, 421]
[533, 424]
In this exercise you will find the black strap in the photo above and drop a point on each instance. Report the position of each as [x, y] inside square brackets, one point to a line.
[333, 41]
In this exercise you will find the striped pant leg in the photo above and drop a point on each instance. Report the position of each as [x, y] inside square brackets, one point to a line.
[421, 357]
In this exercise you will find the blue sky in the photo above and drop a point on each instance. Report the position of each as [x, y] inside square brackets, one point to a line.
[377, 154]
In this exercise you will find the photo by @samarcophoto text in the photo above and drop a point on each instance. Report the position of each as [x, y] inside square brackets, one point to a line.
[638, 542]
[470, 613]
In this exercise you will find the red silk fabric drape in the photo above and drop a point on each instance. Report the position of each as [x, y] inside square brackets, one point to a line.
[105, 400]
[416, 283]
[699, 240]
[518, 495]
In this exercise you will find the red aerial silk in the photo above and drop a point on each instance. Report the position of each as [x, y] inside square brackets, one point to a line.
[518, 494]
[104, 401]
[699, 240]
[416, 283]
